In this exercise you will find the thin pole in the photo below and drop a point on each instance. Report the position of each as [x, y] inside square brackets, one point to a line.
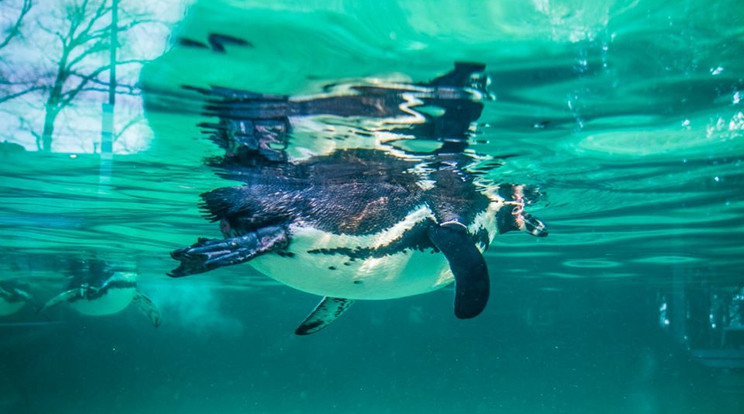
[107, 127]
[112, 63]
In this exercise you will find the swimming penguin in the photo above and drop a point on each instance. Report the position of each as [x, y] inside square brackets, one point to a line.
[13, 296]
[360, 224]
[95, 289]
[367, 218]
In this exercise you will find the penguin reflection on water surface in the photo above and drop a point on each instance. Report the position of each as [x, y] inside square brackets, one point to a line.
[256, 126]
[354, 224]
[94, 288]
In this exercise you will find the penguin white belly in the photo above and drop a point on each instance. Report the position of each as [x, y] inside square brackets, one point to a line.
[112, 302]
[400, 273]
[394, 276]
[9, 308]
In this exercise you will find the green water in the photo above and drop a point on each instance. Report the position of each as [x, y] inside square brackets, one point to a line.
[626, 116]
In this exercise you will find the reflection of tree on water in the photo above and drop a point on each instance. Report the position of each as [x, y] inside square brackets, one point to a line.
[63, 54]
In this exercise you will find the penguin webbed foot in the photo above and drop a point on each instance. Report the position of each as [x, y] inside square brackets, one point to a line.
[327, 311]
[148, 307]
[208, 254]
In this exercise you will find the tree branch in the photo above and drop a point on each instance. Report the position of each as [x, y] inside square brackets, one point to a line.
[56, 33]
[128, 89]
[132, 122]
[8, 97]
[15, 29]
[131, 91]
[28, 127]
[95, 48]
[84, 35]
[69, 95]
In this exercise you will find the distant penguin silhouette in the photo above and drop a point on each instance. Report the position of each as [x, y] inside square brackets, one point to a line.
[95, 289]
[13, 296]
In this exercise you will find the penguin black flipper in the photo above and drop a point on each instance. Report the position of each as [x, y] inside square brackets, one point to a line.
[208, 254]
[148, 307]
[327, 311]
[66, 296]
[472, 285]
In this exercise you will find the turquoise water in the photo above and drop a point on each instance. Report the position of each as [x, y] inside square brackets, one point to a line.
[625, 119]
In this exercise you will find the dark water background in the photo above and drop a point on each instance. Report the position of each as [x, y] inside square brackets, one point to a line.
[626, 115]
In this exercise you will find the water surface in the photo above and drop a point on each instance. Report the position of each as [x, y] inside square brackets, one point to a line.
[624, 117]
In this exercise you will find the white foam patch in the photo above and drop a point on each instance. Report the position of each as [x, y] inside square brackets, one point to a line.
[194, 306]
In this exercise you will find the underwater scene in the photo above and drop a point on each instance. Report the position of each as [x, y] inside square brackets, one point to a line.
[392, 206]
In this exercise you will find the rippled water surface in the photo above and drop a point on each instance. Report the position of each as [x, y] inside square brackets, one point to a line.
[623, 121]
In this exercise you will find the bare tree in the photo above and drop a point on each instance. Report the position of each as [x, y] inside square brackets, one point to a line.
[84, 40]
[80, 48]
